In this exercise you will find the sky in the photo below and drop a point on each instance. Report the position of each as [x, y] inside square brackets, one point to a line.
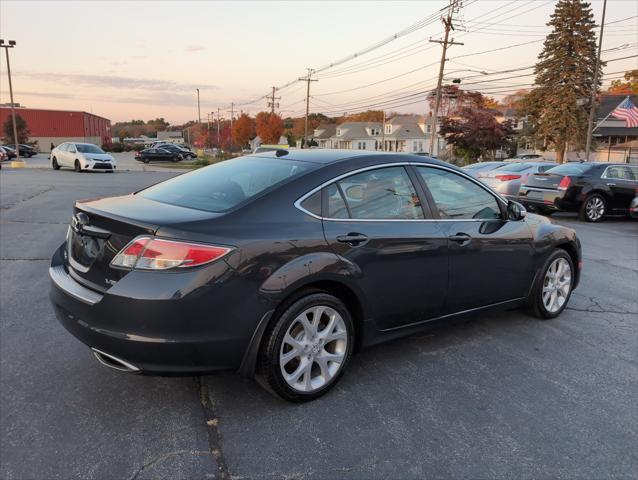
[145, 59]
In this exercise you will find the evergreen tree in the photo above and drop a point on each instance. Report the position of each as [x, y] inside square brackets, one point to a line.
[564, 75]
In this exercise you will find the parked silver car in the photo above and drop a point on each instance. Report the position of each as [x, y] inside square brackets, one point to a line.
[507, 179]
[479, 169]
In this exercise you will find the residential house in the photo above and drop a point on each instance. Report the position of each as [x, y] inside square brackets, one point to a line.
[324, 134]
[357, 136]
[408, 133]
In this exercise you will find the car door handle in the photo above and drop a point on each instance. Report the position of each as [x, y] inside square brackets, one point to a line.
[611, 184]
[460, 238]
[352, 239]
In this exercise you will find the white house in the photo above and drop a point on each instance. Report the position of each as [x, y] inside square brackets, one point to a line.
[358, 136]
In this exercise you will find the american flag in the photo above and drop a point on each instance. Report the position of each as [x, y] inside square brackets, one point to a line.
[628, 112]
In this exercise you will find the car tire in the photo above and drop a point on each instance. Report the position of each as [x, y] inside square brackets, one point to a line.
[553, 287]
[77, 167]
[146, 160]
[593, 208]
[322, 348]
[545, 211]
[54, 164]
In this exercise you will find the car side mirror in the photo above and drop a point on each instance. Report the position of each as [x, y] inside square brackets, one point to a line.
[515, 211]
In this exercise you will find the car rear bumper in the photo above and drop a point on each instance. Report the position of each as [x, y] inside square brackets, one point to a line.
[149, 326]
[551, 199]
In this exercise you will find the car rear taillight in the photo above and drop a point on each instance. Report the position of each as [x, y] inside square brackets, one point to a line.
[137, 154]
[564, 183]
[147, 253]
[507, 178]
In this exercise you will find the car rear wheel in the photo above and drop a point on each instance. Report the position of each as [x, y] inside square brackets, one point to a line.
[77, 166]
[554, 286]
[308, 347]
[593, 208]
[54, 164]
[146, 160]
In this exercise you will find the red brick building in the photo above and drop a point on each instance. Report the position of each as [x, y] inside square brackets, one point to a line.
[58, 126]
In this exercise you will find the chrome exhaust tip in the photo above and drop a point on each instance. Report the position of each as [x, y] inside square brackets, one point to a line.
[113, 362]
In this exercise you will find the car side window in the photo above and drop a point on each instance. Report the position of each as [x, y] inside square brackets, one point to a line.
[313, 203]
[380, 194]
[71, 148]
[336, 204]
[620, 173]
[457, 197]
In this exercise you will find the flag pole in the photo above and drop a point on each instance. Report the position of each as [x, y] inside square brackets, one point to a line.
[609, 114]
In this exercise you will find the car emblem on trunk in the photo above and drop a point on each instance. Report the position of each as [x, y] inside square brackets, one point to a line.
[79, 221]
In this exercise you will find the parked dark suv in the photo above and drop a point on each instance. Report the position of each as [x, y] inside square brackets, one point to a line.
[282, 264]
[593, 189]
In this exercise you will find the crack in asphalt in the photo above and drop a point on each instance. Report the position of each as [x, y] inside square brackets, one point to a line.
[26, 199]
[9, 259]
[214, 434]
[161, 458]
[598, 306]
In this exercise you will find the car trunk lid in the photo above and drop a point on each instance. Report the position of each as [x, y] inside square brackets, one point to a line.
[544, 180]
[101, 228]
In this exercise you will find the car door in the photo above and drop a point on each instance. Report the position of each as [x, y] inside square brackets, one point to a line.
[71, 154]
[63, 155]
[621, 182]
[490, 256]
[375, 220]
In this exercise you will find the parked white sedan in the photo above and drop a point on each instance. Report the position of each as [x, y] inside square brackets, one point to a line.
[82, 157]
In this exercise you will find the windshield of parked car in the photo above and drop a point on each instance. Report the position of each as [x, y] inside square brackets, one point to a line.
[570, 169]
[220, 187]
[86, 148]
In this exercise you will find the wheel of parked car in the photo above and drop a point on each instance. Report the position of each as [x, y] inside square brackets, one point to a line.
[146, 160]
[54, 164]
[308, 347]
[593, 208]
[77, 166]
[554, 286]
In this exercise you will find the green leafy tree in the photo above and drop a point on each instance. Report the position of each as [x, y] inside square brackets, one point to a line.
[22, 127]
[564, 75]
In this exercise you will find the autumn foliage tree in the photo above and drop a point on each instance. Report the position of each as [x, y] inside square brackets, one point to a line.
[269, 127]
[475, 132]
[627, 87]
[454, 99]
[243, 130]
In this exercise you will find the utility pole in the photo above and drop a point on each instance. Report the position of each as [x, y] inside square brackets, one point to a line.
[307, 79]
[383, 133]
[12, 44]
[232, 114]
[218, 121]
[199, 111]
[272, 102]
[452, 8]
[208, 124]
[594, 88]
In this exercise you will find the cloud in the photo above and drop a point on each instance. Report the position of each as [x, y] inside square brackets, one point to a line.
[114, 81]
[194, 48]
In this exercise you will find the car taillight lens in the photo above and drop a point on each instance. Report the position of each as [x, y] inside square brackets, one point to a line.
[507, 178]
[147, 253]
[564, 183]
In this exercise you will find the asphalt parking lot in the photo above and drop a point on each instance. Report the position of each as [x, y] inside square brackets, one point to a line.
[501, 396]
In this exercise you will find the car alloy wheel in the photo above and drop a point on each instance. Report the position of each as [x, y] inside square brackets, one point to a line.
[313, 349]
[54, 164]
[594, 208]
[77, 166]
[557, 285]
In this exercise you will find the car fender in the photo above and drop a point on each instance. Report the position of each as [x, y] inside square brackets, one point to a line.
[547, 236]
[291, 277]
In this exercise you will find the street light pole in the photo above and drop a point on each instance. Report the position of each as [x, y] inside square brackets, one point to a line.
[12, 44]
[199, 112]
[594, 88]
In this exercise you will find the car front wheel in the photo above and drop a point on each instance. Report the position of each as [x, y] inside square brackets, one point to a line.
[308, 347]
[554, 286]
[77, 167]
[54, 164]
[593, 208]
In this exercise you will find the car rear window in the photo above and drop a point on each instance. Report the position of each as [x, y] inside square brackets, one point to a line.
[517, 167]
[570, 169]
[220, 187]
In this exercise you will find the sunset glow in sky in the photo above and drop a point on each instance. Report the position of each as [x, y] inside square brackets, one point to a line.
[144, 59]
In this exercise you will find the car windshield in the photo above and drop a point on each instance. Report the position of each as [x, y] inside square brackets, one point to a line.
[570, 169]
[87, 148]
[220, 187]
[517, 167]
